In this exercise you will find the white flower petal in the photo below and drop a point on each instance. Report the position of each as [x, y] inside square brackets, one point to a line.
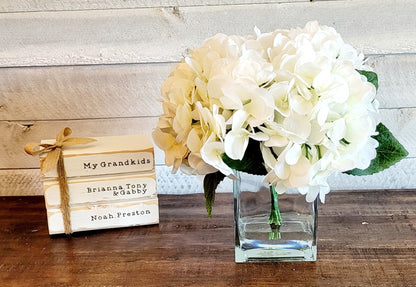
[280, 188]
[194, 141]
[277, 140]
[282, 170]
[260, 109]
[322, 115]
[268, 157]
[312, 193]
[200, 166]
[301, 167]
[259, 136]
[298, 126]
[293, 154]
[338, 130]
[299, 105]
[235, 143]
[324, 190]
[212, 152]
[238, 119]
[303, 189]
[280, 96]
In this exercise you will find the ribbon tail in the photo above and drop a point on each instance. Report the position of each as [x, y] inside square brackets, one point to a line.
[63, 186]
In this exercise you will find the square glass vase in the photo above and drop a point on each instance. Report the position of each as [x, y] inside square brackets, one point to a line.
[258, 241]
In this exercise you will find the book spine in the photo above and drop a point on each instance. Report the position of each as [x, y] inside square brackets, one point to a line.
[83, 191]
[105, 216]
[84, 165]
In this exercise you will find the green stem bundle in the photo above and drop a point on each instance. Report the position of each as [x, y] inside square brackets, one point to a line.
[275, 219]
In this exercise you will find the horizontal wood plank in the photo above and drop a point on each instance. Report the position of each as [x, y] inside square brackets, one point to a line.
[10, 6]
[80, 92]
[113, 91]
[397, 89]
[365, 238]
[15, 135]
[164, 34]
[20, 182]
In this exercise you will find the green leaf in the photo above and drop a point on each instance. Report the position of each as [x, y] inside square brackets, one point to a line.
[389, 152]
[211, 182]
[252, 161]
[371, 77]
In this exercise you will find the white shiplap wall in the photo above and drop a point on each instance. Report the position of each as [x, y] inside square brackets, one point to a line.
[97, 66]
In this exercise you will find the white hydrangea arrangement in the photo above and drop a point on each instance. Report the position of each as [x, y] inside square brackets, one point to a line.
[292, 105]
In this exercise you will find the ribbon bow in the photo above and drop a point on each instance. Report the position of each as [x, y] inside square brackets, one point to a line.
[54, 151]
[54, 159]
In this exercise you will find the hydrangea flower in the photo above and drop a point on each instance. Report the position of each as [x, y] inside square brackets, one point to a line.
[299, 96]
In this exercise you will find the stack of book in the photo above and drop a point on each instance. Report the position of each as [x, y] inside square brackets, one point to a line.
[111, 183]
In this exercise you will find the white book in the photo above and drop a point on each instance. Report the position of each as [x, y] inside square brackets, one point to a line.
[100, 189]
[105, 216]
[107, 155]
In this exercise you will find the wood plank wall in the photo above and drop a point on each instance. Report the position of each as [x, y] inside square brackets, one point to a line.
[97, 66]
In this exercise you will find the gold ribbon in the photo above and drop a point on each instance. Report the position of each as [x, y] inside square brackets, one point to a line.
[54, 159]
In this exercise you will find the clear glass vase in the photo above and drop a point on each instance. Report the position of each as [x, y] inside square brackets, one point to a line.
[256, 240]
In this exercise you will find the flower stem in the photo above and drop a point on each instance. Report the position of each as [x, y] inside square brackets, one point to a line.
[275, 219]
